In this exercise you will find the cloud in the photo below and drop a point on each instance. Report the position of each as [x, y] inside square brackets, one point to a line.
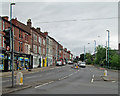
[72, 34]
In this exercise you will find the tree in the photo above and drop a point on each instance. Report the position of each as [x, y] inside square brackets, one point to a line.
[100, 55]
[89, 58]
[82, 57]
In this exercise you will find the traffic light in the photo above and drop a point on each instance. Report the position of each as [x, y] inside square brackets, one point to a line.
[7, 38]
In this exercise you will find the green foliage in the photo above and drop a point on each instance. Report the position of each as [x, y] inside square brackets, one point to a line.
[81, 57]
[89, 58]
[100, 58]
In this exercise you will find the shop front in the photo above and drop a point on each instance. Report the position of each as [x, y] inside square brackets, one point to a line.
[2, 62]
[21, 61]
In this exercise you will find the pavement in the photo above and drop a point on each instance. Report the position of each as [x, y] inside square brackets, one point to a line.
[9, 74]
[65, 80]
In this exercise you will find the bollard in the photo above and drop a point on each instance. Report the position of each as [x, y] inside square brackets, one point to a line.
[105, 73]
[19, 78]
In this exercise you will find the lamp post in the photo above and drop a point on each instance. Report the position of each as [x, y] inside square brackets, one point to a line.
[84, 53]
[108, 46]
[12, 37]
[95, 49]
[88, 48]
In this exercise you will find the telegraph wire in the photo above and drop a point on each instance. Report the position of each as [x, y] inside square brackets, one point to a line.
[80, 20]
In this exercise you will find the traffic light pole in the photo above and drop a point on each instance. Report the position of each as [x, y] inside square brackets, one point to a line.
[12, 50]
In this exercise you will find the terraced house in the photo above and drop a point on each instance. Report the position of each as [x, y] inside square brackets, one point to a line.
[22, 42]
[38, 46]
[32, 48]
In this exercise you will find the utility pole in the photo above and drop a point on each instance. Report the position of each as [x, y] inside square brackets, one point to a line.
[12, 51]
[84, 53]
[108, 46]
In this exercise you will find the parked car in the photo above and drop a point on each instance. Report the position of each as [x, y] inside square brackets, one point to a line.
[59, 63]
[82, 64]
[70, 62]
[64, 63]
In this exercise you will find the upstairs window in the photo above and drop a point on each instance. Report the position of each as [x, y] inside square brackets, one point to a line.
[35, 37]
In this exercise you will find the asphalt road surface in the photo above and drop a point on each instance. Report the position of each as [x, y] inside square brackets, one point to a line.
[66, 80]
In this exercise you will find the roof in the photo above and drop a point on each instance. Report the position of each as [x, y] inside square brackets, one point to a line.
[19, 25]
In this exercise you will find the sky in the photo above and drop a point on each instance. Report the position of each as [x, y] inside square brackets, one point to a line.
[72, 24]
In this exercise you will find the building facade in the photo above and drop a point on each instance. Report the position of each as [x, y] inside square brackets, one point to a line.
[21, 43]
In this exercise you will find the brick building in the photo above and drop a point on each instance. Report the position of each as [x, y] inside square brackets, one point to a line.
[32, 48]
[38, 46]
[21, 45]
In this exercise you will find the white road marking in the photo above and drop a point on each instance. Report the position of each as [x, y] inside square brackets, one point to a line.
[92, 78]
[44, 84]
[70, 74]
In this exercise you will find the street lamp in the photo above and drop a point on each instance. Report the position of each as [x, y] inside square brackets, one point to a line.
[12, 51]
[88, 48]
[84, 53]
[95, 49]
[108, 45]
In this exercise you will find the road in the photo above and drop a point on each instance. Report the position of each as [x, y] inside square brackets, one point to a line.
[66, 80]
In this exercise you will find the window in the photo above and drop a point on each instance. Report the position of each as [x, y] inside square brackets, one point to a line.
[35, 48]
[43, 50]
[3, 25]
[43, 42]
[21, 46]
[39, 50]
[26, 48]
[20, 34]
[35, 37]
[40, 40]
[26, 37]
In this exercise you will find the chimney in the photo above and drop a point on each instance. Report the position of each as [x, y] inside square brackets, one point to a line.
[29, 23]
[5, 17]
[38, 29]
[45, 33]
